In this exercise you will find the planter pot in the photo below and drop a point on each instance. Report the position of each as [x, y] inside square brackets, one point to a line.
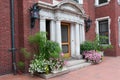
[53, 74]
[102, 54]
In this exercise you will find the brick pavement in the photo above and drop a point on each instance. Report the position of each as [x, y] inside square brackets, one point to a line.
[109, 69]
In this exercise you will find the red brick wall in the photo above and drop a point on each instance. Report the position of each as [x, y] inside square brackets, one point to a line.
[90, 11]
[22, 31]
[117, 13]
[109, 10]
[5, 37]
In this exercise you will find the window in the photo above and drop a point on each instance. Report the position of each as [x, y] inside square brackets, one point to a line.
[101, 2]
[79, 1]
[119, 2]
[103, 29]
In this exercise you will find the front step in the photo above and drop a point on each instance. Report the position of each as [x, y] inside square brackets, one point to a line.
[76, 64]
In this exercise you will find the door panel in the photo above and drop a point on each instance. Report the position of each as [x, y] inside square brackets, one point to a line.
[65, 35]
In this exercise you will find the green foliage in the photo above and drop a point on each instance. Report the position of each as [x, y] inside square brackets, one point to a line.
[44, 50]
[53, 49]
[21, 65]
[38, 42]
[87, 46]
[44, 47]
[95, 45]
[26, 54]
[98, 43]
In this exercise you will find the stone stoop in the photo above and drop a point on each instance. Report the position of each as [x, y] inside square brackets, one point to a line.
[76, 64]
[70, 66]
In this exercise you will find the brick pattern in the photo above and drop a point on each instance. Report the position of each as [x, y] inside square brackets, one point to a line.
[22, 27]
[5, 37]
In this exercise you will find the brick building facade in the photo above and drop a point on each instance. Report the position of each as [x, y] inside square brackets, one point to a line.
[99, 12]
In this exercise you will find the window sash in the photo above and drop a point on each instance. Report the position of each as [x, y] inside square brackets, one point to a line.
[104, 30]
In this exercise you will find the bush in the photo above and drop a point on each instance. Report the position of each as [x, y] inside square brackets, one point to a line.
[95, 45]
[47, 54]
[87, 46]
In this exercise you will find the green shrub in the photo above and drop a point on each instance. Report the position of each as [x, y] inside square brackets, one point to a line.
[87, 46]
[47, 54]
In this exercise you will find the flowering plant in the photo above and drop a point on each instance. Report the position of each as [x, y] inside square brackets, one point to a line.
[41, 65]
[93, 56]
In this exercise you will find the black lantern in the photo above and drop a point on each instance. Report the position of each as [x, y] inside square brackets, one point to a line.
[34, 14]
[88, 23]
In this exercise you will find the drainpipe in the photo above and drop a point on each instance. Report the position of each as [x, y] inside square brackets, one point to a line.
[12, 37]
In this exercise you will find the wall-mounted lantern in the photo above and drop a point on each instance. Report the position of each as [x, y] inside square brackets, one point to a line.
[88, 23]
[34, 14]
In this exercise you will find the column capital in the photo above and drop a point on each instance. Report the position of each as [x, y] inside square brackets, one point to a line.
[42, 17]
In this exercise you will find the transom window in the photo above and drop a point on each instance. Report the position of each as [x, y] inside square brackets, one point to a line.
[104, 30]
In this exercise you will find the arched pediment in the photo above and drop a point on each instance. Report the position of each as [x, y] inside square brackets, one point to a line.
[70, 6]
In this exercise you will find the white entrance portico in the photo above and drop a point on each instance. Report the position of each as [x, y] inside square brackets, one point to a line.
[64, 12]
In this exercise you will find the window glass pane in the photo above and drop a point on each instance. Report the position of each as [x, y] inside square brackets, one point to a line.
[76, 0]
[102, 1]
[103, 31]
[65, 48]
[64, 32]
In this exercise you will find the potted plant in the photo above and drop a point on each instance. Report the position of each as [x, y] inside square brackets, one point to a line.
[91, 48]
[47, 56]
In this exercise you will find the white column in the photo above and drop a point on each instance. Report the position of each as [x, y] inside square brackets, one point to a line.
[82, 34]
[72, 40]
[58, 32]
[83, 31]
[52, 30]
[77, 41]
[43, 25]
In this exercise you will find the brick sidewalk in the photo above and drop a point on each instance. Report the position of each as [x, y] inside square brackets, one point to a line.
[109, 69]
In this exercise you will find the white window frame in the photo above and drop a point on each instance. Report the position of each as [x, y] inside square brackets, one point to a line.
[119, 31]
[97, 27]
[103, 4]
[80, 1]
[118, 2]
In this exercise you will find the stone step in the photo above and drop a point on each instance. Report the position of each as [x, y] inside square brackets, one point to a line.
[78, 66]
[74, 62]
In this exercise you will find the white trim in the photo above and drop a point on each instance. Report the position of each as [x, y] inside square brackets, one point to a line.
[80, 1]
[103, 4]
[118, 2]
[97, 25]
[119, 31]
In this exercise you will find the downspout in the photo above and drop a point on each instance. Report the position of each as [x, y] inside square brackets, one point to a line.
[12, 37]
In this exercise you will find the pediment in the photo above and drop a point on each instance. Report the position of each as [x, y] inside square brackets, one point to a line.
[70, 6]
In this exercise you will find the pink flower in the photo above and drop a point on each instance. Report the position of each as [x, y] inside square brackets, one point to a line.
[62, 54]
